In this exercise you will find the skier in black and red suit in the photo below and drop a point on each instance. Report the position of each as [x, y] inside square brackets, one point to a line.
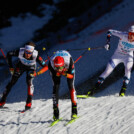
[28, 57]
[61, 63]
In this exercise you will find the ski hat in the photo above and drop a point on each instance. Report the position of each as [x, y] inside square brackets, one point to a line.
[131, 29]
[59, 61]
[29, 48]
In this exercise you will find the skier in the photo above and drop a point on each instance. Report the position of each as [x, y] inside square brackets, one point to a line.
[123, 54]
[27, 58]
[61, 63]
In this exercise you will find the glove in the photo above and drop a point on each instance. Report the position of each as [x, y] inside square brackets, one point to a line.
[64, 73]
[58, 74]
[33, 74]
[107, 47]
[108, 35]
[11, 71]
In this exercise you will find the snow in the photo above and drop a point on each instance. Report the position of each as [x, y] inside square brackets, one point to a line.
[105, 114]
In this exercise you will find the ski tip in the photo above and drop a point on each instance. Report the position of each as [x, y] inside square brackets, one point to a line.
[72, 120]
[55, 122]
[84, 96]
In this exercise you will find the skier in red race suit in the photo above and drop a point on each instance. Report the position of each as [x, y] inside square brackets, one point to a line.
[61, 63]
[28, 57]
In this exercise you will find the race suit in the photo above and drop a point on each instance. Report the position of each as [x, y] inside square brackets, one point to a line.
[23, 65]
[123, 54]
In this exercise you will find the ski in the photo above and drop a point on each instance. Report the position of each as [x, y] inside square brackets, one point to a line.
[84, 96]
[3, 107]
[23, 111]
[55, 122]
[71, 121]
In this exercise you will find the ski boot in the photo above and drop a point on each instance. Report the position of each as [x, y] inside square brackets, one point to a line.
[28, 106]
[2, 104]
[56, 113]
[74, 111]
[123, 90]
[90, 92]
[95, 88]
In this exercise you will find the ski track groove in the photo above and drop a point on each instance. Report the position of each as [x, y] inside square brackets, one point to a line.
[93, 111]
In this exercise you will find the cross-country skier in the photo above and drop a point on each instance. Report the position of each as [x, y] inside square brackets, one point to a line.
[61, 63]
[123, 54]
[27, 58]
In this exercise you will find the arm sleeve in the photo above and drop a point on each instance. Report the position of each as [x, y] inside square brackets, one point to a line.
[117, 33]
[43, 64]
[71, 70]
[9, 57]
[40, 61]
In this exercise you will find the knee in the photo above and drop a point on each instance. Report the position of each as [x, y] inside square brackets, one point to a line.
[73, 96]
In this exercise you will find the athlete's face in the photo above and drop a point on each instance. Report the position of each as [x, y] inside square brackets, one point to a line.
[130, 37]
[28, 54]
[59, 69]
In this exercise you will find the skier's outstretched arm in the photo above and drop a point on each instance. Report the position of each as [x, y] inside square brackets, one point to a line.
[117, 33]
[43, 64]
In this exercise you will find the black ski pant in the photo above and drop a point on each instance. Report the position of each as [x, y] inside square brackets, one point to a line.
[19, 70]
[56, 84]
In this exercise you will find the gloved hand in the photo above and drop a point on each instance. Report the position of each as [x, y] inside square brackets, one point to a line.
[107, 47]
[58, 74]
[64, 73]
[33, 74]
[11, 71]
[108, 35]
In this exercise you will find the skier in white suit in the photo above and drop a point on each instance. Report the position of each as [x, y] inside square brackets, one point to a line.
[123, 54]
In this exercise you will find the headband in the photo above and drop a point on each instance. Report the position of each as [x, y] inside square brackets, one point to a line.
[29, 48]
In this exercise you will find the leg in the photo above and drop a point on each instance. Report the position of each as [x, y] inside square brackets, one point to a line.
[56, 81]
[110, 67]
[72, 96]
[55, 96]
[30, 86]
[126, 79]
[16, 75]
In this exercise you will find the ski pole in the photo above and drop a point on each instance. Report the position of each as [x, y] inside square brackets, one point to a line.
[77, 49]
[85, 48]
[3, 55]
[88, 49]
[48, 57]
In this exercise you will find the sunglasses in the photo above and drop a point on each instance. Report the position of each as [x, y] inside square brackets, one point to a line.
[59, 68]
[28, 52]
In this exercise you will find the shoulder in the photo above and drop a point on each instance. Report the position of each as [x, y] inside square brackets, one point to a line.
[35, 53]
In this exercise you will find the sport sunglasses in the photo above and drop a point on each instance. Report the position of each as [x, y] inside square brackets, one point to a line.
[59, 68]
[28, 52]
[130, 33]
